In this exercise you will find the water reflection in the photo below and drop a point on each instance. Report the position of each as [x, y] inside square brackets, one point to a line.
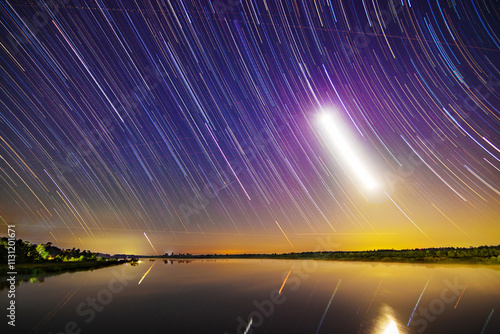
[386, 323]
[391, 328]
[21, 279]
[177, 261]
[220, 296]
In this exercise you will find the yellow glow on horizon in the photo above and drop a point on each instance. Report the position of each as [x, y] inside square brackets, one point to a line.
[391, 232]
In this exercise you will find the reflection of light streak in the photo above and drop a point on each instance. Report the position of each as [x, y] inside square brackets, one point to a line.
[285, 235]
[328, 306]
[392, 328]
[286, 278]
[150, 243]
[387, 324]
[147, 272]
[460, 296]
[341, 141]
[373, 298]
[487, 320]
[53, 312]
[248, 326]
[418, 301]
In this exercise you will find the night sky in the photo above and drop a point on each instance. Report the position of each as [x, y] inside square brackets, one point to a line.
[250, 126]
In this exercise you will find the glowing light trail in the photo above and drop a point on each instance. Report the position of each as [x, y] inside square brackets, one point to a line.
[487, 321]
[248, 326]
[341, 140]
[418, 301]
[150, 243]
[460, 297]
[328, 306]
[285, 235]
[441, 212]
[236, 176]
[408, 217]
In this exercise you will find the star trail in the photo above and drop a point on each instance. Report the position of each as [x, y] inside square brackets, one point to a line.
[192, 126]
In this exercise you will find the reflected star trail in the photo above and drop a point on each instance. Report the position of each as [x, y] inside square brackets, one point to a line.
[195, 122]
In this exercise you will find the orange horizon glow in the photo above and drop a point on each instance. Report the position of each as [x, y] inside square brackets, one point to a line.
[388, 228]
[197, 244]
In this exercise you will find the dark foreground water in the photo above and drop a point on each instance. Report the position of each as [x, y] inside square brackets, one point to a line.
[224, 296]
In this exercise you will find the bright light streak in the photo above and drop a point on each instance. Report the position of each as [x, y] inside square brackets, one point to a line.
[150, 243]
[445, 216]
[248, 326]
[418, 301]
[285, 235]
[328, 306]
[53, 236]
[346, 149]
[397, 206]
[236, 176]
[458, 301]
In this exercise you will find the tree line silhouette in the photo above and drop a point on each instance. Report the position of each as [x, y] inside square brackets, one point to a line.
[481, 254]
[26, 252]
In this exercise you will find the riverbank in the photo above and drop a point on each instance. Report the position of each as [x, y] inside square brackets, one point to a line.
[479, 261]
[484, 255]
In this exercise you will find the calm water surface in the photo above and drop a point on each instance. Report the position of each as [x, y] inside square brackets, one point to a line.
[223, 296]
